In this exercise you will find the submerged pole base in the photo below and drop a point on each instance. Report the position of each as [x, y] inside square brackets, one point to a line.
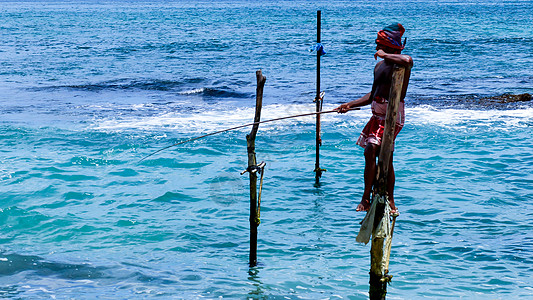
[378, 287]
[319, 171]
[318, 174]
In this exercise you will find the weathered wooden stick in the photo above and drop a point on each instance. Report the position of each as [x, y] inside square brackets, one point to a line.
[252, 162]
[378, 280]
[387, 142]
[378, 288]
[318, 100]
[388, 246]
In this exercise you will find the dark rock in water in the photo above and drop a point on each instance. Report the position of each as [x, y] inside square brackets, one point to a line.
[524, 97]
[473, 101]
[507, 98]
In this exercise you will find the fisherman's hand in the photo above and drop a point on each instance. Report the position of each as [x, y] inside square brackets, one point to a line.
[380, 53]
[343, 108]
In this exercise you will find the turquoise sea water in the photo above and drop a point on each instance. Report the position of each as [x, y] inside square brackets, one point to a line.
[88, 89]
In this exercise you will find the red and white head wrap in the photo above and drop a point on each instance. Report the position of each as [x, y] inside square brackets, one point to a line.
[391, 36]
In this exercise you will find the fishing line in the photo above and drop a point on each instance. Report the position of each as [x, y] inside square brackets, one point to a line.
[241, 126]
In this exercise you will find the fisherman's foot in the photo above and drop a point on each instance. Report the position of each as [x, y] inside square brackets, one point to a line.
[364, 205]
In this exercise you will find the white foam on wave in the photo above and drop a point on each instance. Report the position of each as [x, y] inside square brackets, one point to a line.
[215, 118]
[454, 117]
[193, 91]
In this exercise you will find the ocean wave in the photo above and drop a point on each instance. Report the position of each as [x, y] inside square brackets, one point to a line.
[193, 91]
[216, 93]
[219, 117]
[446, 117]
[185, 87]
[132, 84]
[216, 117]
[126, 84]
[13, 263]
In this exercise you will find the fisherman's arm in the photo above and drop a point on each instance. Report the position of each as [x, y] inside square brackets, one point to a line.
[365, 100]
[400, 59]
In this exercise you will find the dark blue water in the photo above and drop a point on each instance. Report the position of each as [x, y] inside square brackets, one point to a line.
[89, 88]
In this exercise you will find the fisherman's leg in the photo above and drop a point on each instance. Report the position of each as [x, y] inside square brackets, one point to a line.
[390, 184]
[370, 175]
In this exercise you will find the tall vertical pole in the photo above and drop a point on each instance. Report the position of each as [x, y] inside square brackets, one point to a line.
[378, 263]
[252, 163]
[318, 100]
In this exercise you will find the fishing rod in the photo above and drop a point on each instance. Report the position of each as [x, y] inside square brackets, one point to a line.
[241, 126]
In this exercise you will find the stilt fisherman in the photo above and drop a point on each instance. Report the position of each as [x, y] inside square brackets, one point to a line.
[389, 48]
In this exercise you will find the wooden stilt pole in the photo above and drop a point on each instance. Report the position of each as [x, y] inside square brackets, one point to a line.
[378, 265]
[318, 100]
[252, 164]
[388, 245]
